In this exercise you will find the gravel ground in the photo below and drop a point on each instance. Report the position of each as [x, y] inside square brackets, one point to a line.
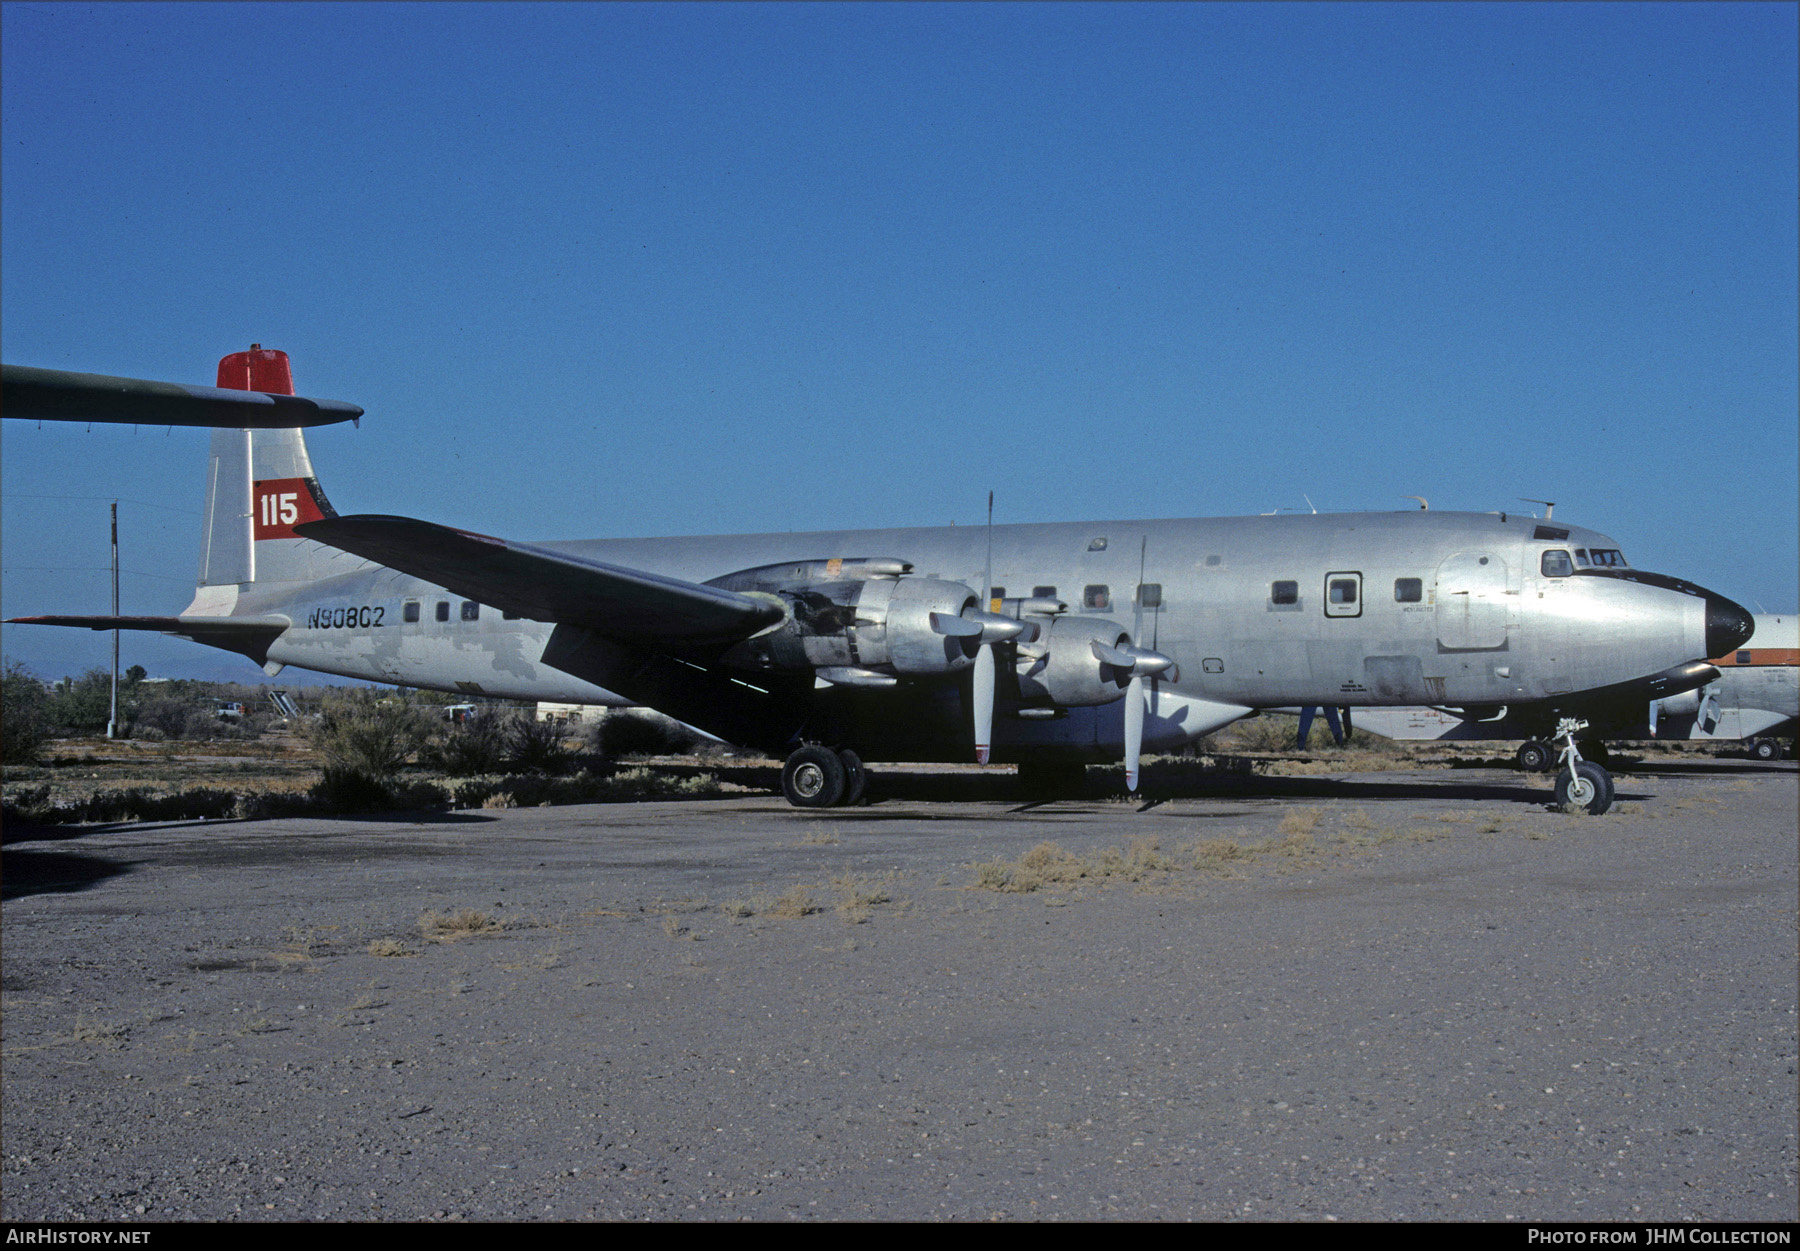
[1410, 996]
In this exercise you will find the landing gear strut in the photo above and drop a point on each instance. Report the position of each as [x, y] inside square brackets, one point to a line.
[1582, 783]
[815, 776]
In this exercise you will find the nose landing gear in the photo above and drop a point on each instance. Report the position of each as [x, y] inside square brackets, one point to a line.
[1581, 783]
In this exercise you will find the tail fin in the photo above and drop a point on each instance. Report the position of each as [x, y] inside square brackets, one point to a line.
[260, 485]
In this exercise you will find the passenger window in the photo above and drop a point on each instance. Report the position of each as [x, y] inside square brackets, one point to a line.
[1096, 598]
[1043, 592]
[1150, 595]
[1555, 563]
[1284, 593]
[1098, 545]
[410, 611]
[1408, 590]
[1343, 591]
[443, 610]
[471, 611]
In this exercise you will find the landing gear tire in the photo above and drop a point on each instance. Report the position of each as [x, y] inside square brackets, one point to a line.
[814, 777]
[1765, 749]
[856, 778]
[1588, 786]
[1536, 756]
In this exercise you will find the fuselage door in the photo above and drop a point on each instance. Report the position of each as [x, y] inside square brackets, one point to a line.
[1343, 594]
[1472, 603]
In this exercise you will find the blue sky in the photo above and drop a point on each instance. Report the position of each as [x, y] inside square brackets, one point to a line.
[647, 269]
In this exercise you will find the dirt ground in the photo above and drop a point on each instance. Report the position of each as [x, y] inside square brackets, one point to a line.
[1410, 994]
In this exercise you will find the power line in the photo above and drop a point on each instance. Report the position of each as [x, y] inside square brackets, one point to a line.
[191, 512]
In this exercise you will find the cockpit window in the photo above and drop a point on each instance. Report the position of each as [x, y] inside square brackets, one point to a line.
[1555, 563]
[1607, 557]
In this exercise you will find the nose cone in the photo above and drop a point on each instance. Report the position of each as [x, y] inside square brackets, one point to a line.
[1728, 625]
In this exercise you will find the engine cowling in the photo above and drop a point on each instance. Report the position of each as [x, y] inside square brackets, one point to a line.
[1061, 666]
[858, 627]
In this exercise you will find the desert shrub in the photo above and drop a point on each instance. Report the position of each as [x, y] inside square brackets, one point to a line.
[473, 747]
[33, 804]
[636, 732]
[22, 729]
[365, 740]
[168, 717]
[346, 789]
[79, 705]
[534, 746]
[364, 733]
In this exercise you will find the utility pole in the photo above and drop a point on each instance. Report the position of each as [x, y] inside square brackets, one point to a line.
[112, 723]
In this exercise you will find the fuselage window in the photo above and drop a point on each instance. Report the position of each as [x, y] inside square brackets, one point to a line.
[1150, 595]
[443, 610]
[1408, 590]
[471, 611]
[1343, 591]
[1098, 545]
[1555, 563]
[1581, 558]
[1284, 593]
[1096, 598]
[1608, 558]
[1043, 592]
[410, 611]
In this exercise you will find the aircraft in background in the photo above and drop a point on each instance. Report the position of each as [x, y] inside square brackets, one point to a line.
[1049, 645]
[1754, 700]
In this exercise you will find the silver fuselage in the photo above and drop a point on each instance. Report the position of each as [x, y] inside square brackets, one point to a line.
[1483, 626]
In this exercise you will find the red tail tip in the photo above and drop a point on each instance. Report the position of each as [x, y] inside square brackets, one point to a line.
[259, 369]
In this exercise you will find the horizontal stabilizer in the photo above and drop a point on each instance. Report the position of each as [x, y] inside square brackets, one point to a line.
[53, 395]
[629, 605]
[248, 636]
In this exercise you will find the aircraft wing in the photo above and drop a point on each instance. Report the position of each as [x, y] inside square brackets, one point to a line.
[55, 395]
[615, 602]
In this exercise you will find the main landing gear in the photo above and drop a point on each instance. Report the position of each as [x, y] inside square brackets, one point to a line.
[818, 777]
[1581, 783]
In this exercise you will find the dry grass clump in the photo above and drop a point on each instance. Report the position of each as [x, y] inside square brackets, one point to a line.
[859, 897]
[795, 901]
[389, 947]
[1216, 853]
[1300, 822]
[448, 927]
[1048, 865]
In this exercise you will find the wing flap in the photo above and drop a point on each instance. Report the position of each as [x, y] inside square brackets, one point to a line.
[530, 581]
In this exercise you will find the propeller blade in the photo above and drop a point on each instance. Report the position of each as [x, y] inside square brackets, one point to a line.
[984, 702]
[1134, 731]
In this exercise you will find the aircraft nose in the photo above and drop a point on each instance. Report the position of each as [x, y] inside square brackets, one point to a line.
[1728, 625]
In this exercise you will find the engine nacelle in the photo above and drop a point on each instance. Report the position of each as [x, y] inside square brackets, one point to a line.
[856, 624]
[1061, 666]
